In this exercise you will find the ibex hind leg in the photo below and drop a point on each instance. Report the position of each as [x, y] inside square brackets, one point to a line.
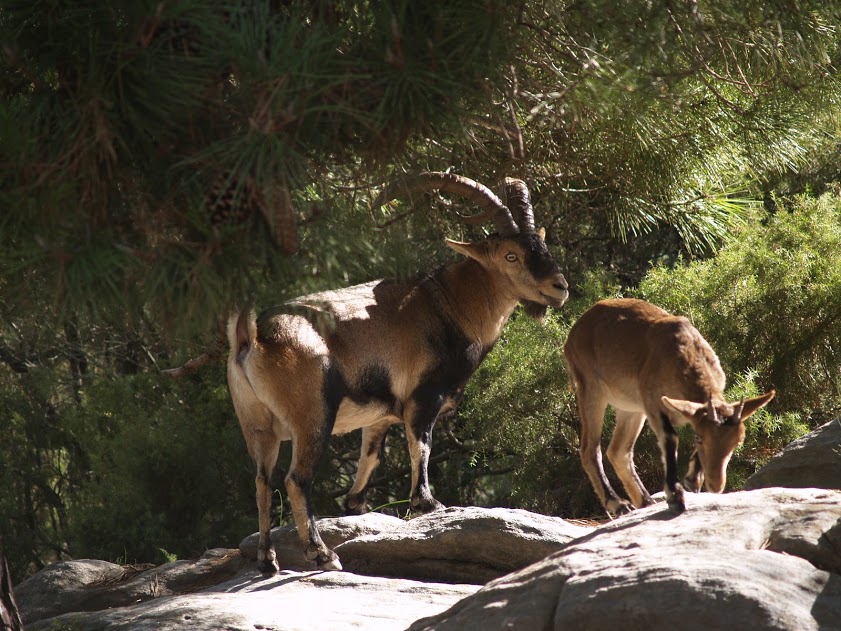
[307, 449]
[373, 439]
[264, 448]
[620, 452]
[591, 409]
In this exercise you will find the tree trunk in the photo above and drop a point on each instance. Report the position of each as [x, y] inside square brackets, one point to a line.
[9, 616]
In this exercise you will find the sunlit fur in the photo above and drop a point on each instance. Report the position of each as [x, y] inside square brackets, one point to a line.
[371, 356]
[649, 364]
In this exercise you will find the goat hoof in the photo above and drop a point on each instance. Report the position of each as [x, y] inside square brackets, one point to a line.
[427, 505]
[357, 508]
[691, 485]
[269, 567]
[331, 564]
[675, 500]
[618, 508]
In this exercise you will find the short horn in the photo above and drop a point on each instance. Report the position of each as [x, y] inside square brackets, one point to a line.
[711, 411]
[740, 409]
[515, 195]
[492, 207]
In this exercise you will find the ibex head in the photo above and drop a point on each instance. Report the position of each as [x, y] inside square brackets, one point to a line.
[516, 253]
[719, 428]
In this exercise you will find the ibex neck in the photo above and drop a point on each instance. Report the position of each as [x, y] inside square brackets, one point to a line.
[474, 299]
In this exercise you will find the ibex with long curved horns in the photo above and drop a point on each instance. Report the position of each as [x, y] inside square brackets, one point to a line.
[650, 364]
[380, 354]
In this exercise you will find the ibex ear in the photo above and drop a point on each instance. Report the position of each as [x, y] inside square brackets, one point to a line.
[541, 232]
[473, 250]
[752, 405]
[687, 409]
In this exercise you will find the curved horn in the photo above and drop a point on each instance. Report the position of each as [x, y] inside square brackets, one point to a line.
[515, 195]
[711, 411]
[739, 410]
[492, 207]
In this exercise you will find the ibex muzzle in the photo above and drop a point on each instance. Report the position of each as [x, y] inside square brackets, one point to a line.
[379, 354]
[647, 363]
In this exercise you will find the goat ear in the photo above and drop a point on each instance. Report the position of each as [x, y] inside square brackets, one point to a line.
[473, 250]
[752, 405]
[688, 409]
[541, 232]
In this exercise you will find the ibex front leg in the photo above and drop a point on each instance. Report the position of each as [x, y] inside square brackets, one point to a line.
[668, 440]
[420, 419]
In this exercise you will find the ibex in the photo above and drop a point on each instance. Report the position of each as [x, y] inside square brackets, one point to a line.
[380, 354]
[647, 363]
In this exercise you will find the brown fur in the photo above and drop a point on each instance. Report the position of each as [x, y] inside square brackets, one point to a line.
[647, 363]
[369, 357]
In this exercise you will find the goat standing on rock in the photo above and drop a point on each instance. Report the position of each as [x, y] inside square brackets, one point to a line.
[380, 354]
[650, 364]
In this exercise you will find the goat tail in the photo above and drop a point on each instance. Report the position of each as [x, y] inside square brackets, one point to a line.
[242, 333]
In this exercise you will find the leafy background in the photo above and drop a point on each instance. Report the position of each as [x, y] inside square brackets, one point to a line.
[163, 160]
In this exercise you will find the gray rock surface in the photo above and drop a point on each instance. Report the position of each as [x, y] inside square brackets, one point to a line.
[811, 461]
[459, 545]
[456, 545]
[765, 559]
[290, 601]
[762, 559]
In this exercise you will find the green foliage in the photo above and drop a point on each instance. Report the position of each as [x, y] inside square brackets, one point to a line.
[770, 303]
[120, 120]
[165, 462]
[162, 160]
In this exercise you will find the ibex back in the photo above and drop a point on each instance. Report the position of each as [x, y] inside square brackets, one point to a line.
[379, 354]
[647, 363]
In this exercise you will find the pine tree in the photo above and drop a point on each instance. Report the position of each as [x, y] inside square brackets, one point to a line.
[156, 154]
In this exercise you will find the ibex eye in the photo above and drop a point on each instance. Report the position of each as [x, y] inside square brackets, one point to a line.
[510, 257]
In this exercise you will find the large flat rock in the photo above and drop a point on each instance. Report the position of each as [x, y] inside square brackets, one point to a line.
[767, 559]
[290, 601]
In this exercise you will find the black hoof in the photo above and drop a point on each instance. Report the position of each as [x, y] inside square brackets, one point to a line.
[618, 508]
[268, 568]
[355, 507]
[426, 505]
[330, 563]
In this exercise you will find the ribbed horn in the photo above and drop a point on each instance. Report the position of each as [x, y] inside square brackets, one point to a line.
[711, 411]
[515, 195]
[492, 207]
[739, 410]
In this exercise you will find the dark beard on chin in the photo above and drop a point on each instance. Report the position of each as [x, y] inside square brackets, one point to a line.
[534, 309]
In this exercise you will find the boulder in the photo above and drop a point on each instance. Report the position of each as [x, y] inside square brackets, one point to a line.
[765, 559]
[459, 545]
[762, 559]
[333, 530]
[90, 585]
[813, 460]
[456, 545]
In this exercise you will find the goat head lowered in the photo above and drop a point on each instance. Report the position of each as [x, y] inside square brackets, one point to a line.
[647, 363]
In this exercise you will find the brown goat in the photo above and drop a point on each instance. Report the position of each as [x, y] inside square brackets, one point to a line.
[379, 354]
[647, 363]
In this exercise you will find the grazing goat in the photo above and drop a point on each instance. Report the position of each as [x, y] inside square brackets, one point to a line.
[380, 354]
[647, 363]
